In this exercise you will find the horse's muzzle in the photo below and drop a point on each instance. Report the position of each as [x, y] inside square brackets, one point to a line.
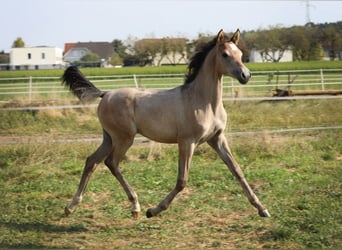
[244, 76]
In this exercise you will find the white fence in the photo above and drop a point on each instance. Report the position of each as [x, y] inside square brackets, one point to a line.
[29, 90]
[260, 87]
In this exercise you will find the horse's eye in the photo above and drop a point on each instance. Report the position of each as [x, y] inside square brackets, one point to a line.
[225, 55]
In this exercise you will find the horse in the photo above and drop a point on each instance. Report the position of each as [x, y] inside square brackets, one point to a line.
[187, 115]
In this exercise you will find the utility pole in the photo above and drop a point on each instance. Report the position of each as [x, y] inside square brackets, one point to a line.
[307, 8]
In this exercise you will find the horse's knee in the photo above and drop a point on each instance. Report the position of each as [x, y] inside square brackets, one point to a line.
[180, 184]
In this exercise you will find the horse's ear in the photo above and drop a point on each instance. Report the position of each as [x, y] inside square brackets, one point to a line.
[220, 37]
[236, 37]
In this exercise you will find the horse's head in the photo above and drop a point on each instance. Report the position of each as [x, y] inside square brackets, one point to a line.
[229, 57]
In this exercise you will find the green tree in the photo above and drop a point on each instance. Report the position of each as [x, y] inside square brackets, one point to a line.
[90, 57]
[331, 37]
[18, 43]
[299, 42]
[119, 48]
[4, 58]
[147, 49]
[90, 60]
[313, 34]
[115, 60]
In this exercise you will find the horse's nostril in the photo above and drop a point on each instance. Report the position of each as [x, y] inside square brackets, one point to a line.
[243, 76]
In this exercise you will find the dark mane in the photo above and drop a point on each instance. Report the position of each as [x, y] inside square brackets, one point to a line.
[198, 59]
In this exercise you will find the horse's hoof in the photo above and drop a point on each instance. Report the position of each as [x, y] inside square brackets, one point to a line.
[264, 213]
[67, 211]
[149, 213]
[135, 215]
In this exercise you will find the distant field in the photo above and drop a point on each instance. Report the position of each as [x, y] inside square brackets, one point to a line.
[179, 69]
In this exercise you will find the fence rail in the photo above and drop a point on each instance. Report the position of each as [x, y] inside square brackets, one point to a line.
[260, 87]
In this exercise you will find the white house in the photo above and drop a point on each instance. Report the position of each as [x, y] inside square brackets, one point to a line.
[259, 56]
[40, 57]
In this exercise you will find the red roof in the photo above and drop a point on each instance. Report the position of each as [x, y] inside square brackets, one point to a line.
[68, 46]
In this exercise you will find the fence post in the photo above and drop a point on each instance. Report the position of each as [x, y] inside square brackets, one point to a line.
[322, 79]
[30, 89]
[233, 94]
[135, 81]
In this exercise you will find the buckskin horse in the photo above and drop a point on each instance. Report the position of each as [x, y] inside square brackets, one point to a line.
[187, 115]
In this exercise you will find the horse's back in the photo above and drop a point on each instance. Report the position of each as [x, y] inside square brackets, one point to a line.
[151, 113]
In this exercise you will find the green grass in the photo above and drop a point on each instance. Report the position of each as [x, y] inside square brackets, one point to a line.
[287, 66]
[297, 176]
[299, 181]
[179, 69]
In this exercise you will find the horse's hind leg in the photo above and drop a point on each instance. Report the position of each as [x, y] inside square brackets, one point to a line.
[220, 145]
[112, 162]
[98, 156]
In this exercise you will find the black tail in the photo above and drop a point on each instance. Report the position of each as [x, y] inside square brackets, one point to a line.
[79, 85]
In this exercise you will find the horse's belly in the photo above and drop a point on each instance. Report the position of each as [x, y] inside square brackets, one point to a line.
[159, 134]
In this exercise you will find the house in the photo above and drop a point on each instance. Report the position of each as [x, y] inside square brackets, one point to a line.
[261, 56]
[73, 52]
[40, 57]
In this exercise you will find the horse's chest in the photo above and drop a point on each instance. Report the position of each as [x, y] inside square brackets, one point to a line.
[211, 125]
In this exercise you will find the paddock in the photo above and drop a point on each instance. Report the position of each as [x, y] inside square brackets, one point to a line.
[296, 145]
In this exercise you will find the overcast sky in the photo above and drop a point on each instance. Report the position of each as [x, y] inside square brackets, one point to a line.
[55, 22]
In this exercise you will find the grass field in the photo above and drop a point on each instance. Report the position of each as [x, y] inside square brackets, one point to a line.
[298, 176]
[179, 69]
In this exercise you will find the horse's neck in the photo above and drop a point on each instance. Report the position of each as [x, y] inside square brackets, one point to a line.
[208, 83]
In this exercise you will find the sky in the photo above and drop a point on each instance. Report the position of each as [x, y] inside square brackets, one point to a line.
[56, 22]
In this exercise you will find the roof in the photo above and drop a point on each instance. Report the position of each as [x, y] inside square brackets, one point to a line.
[102, 49]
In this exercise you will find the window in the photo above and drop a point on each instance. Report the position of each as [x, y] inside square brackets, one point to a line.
[29, 56]
[43, 55]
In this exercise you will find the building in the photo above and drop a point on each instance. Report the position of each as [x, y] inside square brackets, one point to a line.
[259, 56]
[73, 52]
[40, 57]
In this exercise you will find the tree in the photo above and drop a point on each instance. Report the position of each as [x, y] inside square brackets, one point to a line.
[115, 59]
[18, 43]
[315, 49]
[119, 48]
[90, 57]
[331, 38]
[300, 43]
[147, 49]
[174, 49]
[90, 60]
[271, 43]
[4, 58]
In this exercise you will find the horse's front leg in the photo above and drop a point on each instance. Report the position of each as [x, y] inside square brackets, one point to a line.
[220, 145]
[185, 155]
